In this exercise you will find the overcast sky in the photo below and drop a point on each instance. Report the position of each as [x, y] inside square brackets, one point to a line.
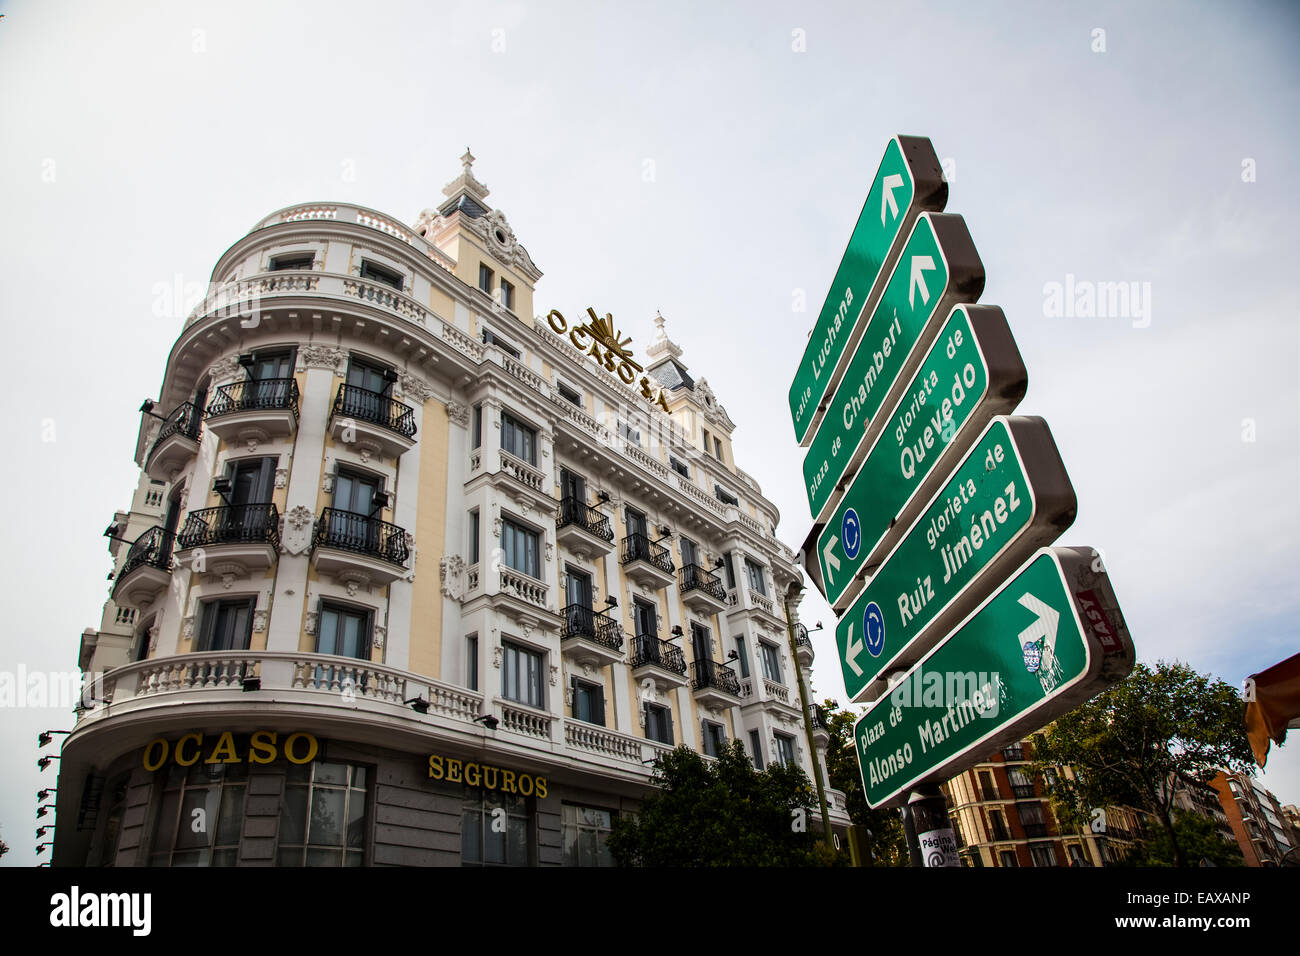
[708, 161]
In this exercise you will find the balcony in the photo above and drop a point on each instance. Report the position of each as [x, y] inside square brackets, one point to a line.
[230, 539]
[372, 422]
[177, 443]
[646, 562]
[702, 590]
[583, 530]
[803, 645]
[254, 410]
[589, 637]
[715, 685]
[147, 569]
[1023, 791]
[820, 728]
[662, 662]
[1013, 752]
[356, 547]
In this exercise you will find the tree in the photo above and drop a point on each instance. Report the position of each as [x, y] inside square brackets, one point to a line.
[721, 813]
[1130, 743]
[886, 843]
[1198, 839]
[4, 848]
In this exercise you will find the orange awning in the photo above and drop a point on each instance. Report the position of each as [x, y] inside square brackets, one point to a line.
[1276, 706]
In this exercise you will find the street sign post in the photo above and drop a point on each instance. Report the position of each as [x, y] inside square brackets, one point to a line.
[1009, 496]
[938, 268]
[908, 181]
[1049, 639]
[972, 372]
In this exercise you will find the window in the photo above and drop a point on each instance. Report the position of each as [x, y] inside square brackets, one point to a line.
[1013, 752]
[521, 675]
[588, 702]
[471, 662]
[784, 749]
[1022, 785]
[518, 439]
[1007, 858]
[754, 576]
[1032, 819]
[227, 625]
[507, 295]
[1076, 855]
[998, 826]
[343, 631]
[742, 658]
[489, 837]
[725, 496]
[477, 435]
[485, 278]
[473, 537]
[292, 260]
[731, 571]
[378, 273]
[690, 553]
[585, 832]
[217, 790]
[715, 738]
[988, 789]
[568, 394]
[756, 749]
[771, 658]
[491, 338]
[323, 819]
[717, 449]
[659, 723]
[1042, 854]
[520, 546]
[643, 618]
[679, 466]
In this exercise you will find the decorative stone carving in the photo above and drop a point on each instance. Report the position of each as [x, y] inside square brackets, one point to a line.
[223, 369]
[297, 530]
[379, 635]
[550, 552]
[153, 637]
[327, 483]
[496, 657]
[458, 413]
[281, 477]
[309, 622]
[451, 570]
[323, 356]
[252, 444]
[414, 388]
[428, 223]
[259, 622]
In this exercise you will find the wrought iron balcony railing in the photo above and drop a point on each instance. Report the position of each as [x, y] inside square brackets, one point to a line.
[230, 523]
[255, 394]
[637, 547]
[153, 548]
[576, 512]
[651, 650]
[1022, 791]
[692, 576]
[377, 408]
[582, 621]
[708, 673]
[362, 534]
[184, 420]
[818, 717]
[801, 636]
[1013, 752]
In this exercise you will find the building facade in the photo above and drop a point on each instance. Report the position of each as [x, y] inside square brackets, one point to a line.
[1257, 819]
[417, 572]
[1001, 816]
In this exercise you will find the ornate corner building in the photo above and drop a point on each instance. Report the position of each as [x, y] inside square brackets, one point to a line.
[411, 578]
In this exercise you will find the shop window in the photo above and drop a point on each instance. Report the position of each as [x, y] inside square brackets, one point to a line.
[495, 829]
[585, 832]
[323, 820]
[211, 793]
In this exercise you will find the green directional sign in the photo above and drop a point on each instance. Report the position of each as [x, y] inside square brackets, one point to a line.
[1050, 638]
[1009, 495]
[972, 372]
[908, 181]
[938, 268]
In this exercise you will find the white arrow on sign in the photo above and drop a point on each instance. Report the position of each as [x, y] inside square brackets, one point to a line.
[887, 200]
[1044, 626]
[832, 562]
[920, 264]
[851, 651]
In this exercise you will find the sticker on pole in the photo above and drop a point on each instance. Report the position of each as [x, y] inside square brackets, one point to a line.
[938, 848]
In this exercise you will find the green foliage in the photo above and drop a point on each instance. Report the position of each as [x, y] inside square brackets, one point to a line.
[1129, 742]
[4, 848]
[723, 813]
[1198, 839]
[887, 843]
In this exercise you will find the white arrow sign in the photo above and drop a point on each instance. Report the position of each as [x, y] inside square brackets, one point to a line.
[887, 200]
[852, 649]
[920, 264]
[832, 562]
[1044, 626]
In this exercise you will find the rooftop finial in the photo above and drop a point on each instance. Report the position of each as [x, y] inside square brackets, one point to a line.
[660, 335]
[467, 160]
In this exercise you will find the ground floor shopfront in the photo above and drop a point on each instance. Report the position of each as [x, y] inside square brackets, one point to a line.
[287, 796]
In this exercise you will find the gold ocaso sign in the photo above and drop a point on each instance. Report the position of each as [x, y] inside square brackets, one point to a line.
[263, 747]
[599, 339]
